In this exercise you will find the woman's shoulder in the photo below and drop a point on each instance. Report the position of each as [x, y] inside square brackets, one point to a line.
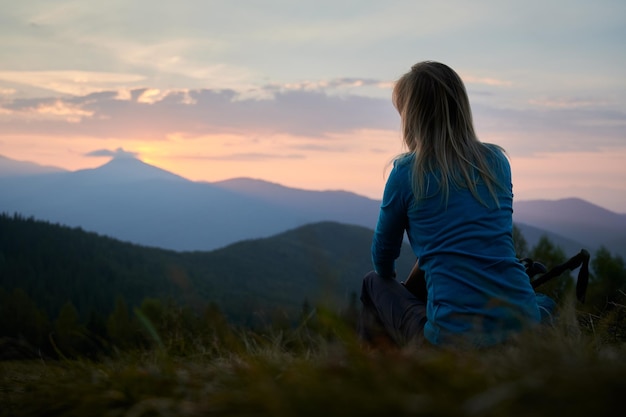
[404, 160]
[496, 154]
[497, 159]
[400, 176]
[495, 149]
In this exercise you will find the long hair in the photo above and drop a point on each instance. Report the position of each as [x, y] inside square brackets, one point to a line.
[437, 126]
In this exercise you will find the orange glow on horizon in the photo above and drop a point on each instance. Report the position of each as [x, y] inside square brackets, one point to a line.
[338, 162]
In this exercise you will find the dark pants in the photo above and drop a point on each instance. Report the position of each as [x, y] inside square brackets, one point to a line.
[389, 311]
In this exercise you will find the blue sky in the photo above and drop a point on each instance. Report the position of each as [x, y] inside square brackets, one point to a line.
[299, 92]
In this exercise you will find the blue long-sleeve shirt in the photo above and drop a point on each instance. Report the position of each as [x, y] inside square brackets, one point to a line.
[478, 291]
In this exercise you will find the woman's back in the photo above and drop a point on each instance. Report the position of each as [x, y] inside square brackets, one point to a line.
[476, 286]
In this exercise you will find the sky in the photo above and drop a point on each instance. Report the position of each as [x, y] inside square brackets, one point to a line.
[298, 93]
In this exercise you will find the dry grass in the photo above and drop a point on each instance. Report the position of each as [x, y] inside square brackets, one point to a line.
[561, 370]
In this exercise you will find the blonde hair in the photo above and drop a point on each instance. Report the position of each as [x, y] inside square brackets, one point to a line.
[437, 126]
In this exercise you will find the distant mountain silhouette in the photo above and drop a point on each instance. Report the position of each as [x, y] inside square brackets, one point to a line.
[576, 219]
[12, 167]
[339, 206]
[136, 202]
[179, 215]
[532, 235]
[571, 224]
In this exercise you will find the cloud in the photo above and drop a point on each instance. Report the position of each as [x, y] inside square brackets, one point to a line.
[568, 102]
[249, 156]
[71, 82]
[325, 85]
[320, 147]
[492, 82]
[117, 153]
[542, 129]
[148, 114]
[46, 110]
[311, 114]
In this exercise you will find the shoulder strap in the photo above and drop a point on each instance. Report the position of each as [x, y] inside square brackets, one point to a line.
[579, 260]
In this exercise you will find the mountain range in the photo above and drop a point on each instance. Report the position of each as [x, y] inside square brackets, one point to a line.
[139, 203]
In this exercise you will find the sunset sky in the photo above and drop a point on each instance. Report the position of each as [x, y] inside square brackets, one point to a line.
[298, 92]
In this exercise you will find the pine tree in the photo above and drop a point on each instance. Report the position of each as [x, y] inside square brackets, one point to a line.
[20, 318]
[120, 328]
[68, 332]
[608, 283]
[519, 242]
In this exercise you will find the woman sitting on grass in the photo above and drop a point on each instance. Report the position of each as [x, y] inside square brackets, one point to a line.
[452, 195]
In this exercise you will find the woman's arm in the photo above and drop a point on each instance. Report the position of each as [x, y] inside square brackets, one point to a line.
[392, 222]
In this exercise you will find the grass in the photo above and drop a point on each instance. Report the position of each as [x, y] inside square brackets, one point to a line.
[566, 369]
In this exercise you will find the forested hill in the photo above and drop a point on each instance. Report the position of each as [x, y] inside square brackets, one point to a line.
[66, 290]
[53, 264]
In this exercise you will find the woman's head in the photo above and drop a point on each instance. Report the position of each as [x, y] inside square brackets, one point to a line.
[433, 106]
[437, 126]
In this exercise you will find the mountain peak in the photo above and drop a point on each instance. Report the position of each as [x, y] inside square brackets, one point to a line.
[128, 168]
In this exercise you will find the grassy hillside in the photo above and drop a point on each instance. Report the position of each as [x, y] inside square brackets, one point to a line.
[560, 370]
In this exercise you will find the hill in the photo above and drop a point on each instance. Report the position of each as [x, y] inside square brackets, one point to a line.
[322, 263]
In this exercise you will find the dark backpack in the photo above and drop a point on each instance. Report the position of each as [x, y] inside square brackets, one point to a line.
[579, 260]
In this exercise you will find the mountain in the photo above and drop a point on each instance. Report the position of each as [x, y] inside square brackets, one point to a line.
[136, 202]
[321, 263]
[532, 235]
[339, 206]
[576, 219]
[11, 167]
